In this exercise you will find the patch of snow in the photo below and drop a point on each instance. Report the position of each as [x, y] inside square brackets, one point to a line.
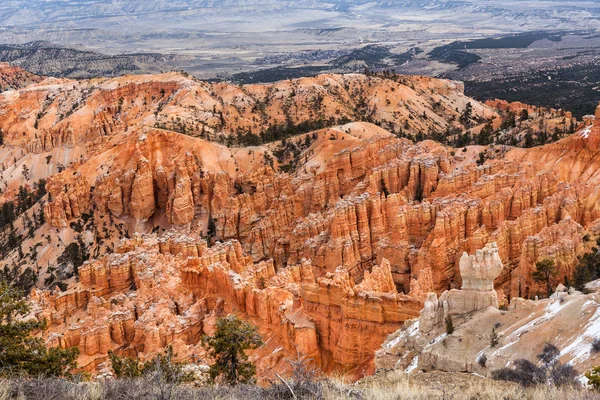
[413, 365]
[394, 342]
[593, 285]
[437, 340]
[580, 348]
[409, 332]
[414, 329]
[552, 309]
[235, 277]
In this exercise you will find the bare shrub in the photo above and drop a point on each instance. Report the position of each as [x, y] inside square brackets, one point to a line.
[552, 371]
[51, 389]
[396, 385]
[482, 360]
[596, 345]
[304, 381]
[524, 373]
[549, 355]
[564, 375]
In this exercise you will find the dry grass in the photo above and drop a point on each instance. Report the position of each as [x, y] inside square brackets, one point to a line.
[453, 386]
[390, 386]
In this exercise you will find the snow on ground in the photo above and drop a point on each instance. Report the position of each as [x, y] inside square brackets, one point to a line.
[437, 340]
[411, 331]
[413, 365]
[391, 344]
[552, 309]
[580, 348]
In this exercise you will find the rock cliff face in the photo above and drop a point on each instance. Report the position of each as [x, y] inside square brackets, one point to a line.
[181, 286]
[328, 235]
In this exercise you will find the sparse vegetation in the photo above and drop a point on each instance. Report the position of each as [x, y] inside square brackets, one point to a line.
[587, 268]
[593, 377]
[21, 354]
[482, 360]
[384, 386]
[162, 366]
[545, 272]
[494, 337]
[551, 371]
[228, 348]
[596, 345]
[449, 325]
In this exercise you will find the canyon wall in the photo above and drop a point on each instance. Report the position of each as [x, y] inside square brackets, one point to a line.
[157, 292]
[191, 200]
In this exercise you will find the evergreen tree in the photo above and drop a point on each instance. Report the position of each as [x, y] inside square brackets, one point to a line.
[125, 367]
[227, 348]
[466, 115]
[449, 325]
[529, 142]
[212, 227]
[485, 136]
[587, 269]
[545, 271]
[22, 354]
[41, 217]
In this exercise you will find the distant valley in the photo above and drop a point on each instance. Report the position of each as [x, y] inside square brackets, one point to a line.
[513, 50]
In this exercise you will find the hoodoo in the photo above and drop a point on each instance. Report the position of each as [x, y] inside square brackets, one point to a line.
[151, 206]
[478, 273]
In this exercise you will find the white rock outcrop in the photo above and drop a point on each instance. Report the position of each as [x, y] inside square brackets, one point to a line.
[478, 273]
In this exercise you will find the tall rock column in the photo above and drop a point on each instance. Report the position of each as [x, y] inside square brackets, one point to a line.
[478, 273]
[180, 208]
[142, 203]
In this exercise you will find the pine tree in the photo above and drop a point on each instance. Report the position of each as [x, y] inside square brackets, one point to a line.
[545, 271]
[467, 114]
[494, 338]
[212, 227]
[581, 276]
[524, 115]
[227, 348]
[22, 354]
[449, 325]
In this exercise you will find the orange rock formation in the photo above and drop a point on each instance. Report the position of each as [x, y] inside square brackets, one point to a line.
[327, 240]
[181, 286]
